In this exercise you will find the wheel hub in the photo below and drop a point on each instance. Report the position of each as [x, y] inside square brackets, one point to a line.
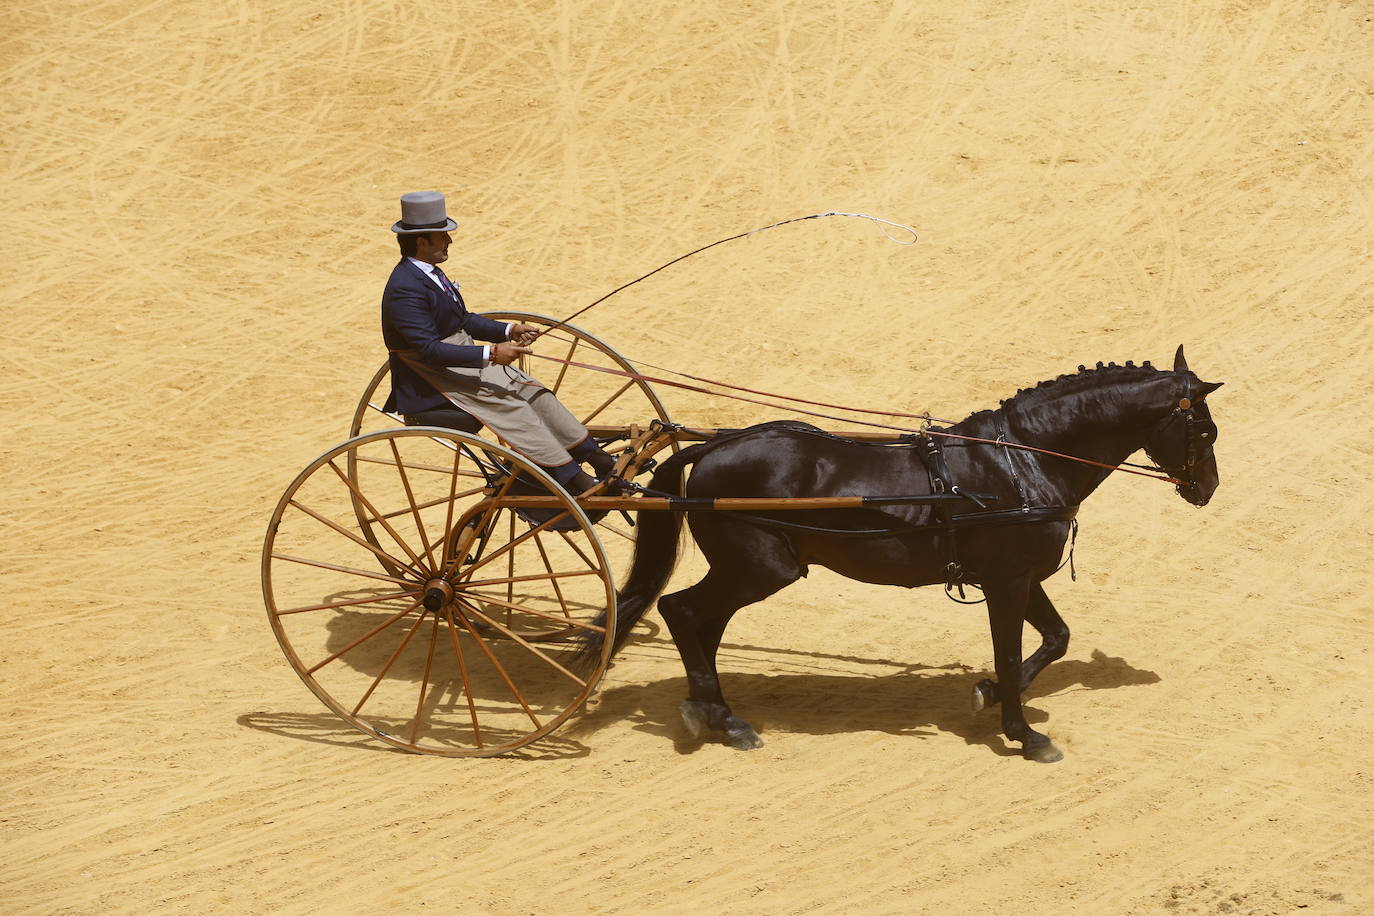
[438, 593]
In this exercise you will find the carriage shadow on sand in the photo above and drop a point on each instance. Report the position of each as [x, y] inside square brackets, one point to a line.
[327, 728]
[914, 700]
[902, 699]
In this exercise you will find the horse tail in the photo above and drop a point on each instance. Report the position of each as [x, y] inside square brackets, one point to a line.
[655, 556]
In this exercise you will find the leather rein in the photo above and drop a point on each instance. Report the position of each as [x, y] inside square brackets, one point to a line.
[946, 525]
[1154, 472]
[1185, 409]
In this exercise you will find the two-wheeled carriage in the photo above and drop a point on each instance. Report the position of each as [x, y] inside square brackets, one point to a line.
[431, 602]
[441, 592]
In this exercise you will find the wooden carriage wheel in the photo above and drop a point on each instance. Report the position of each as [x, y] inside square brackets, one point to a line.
[595, 398]
[415, 624]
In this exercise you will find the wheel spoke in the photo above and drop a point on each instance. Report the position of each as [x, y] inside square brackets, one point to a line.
[607, 403]
[578, 550]
[532, 577]
[463, 673]
[563, 370]
[389, 662]
[553, 577]
[355, 539]
[349, 603]
[511, 545]
[421, 467]
[567, 621]
[607, 526]
[487, 523]
[440, 538]
[453, 494]
[365, 637]
[365, 651]
[510, 564]
[511, 634]
[450, 499]
[378, 515]
[410, 498]
[500, 669]
[343, 569]
[424, 682]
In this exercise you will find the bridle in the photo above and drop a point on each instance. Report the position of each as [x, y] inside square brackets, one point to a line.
[1198, 435]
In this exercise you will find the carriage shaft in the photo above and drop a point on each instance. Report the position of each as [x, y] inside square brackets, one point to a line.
[702, 434]
[735, 504]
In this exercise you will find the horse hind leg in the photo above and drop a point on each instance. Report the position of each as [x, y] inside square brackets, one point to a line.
[697, 618]
[703, 715]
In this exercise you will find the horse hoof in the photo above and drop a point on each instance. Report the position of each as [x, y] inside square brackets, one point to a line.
[741, 735]
[984, 695]
[746, 740]
[694, 718]
[1043, 753]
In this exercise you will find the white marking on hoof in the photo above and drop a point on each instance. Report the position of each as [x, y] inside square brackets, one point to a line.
[1045, 753]
[694, 718]
[745, 739]
[982, 696]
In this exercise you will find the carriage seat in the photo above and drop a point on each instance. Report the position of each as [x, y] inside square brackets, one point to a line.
[448, 417]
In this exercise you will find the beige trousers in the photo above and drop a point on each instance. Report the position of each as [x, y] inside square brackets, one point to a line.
[510, 403]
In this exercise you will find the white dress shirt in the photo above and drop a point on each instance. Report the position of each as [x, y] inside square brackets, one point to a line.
[428, 268]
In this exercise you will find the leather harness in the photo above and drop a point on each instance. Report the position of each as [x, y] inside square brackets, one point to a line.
[947, 524]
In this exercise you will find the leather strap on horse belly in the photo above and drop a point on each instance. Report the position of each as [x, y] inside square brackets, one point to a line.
[933, 456]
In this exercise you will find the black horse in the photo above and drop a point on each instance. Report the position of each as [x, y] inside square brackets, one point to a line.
[1102, 415]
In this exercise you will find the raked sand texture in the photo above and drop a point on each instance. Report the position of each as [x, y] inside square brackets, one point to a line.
[197, 202]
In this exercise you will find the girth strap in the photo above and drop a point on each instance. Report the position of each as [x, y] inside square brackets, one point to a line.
[933, 456]
[999, 517]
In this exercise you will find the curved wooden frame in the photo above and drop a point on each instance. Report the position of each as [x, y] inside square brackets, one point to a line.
[575, 337]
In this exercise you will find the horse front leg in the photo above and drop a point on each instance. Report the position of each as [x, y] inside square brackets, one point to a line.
[1054, 642]
[1008, 602]
[1054, 633]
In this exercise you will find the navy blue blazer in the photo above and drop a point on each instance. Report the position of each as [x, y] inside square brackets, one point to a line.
[417, 315]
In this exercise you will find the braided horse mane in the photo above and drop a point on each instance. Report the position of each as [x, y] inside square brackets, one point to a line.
[1073, 383]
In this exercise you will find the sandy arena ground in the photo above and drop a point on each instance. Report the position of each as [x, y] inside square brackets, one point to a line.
[197, 203]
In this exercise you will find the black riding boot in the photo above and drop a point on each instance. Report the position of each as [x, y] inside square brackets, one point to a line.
[588, 451]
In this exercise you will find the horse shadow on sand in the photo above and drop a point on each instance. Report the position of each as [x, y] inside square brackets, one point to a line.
[915, 700]
[864, 694]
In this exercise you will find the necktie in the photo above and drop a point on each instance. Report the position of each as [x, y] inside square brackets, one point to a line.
[446, 283]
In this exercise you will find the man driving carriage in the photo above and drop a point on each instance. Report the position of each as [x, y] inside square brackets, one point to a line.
[441, 376]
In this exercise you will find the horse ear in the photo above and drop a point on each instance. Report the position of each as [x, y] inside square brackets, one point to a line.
[1180, 364]
[1209, 387]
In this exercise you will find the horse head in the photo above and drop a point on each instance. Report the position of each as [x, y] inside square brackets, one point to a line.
[1181, 443]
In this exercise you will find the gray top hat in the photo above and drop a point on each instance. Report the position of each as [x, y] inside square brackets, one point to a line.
[423, 211]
